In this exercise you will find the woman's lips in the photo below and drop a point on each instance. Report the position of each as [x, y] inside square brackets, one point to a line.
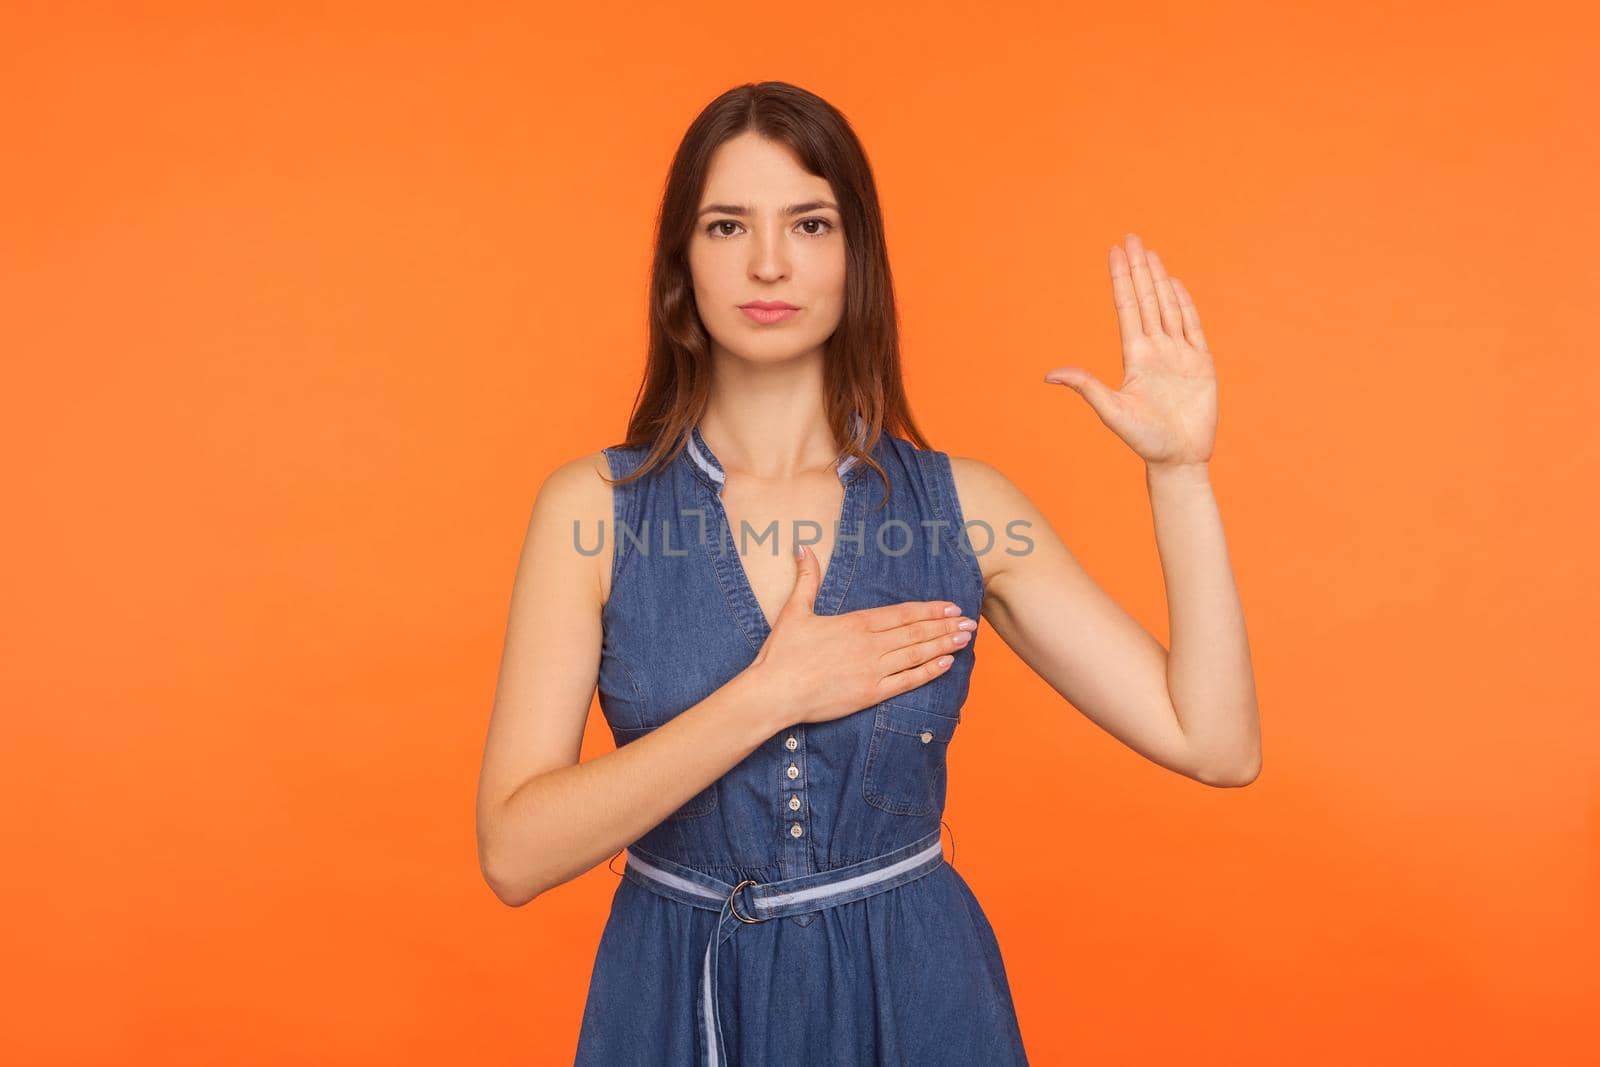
[766, 316]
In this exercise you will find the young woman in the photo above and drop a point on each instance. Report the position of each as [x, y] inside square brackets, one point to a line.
[782, 722]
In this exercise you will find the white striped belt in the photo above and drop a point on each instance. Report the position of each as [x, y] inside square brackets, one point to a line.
[770, 900]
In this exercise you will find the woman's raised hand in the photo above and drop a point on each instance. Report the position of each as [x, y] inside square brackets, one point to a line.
[823, 667]
[1166, 407]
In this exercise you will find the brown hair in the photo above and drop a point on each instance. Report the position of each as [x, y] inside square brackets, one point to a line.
[861, 372]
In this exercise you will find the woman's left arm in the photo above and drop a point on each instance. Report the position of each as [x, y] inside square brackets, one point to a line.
[1192, 709]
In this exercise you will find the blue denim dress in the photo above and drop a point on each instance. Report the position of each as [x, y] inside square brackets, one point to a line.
[799, 910]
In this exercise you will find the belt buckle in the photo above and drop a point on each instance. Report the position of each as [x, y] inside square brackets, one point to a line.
[735, 893]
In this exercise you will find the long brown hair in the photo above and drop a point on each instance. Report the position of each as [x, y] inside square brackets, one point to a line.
[861, 371]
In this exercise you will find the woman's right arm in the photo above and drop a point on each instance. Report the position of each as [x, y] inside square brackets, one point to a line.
[543, 818]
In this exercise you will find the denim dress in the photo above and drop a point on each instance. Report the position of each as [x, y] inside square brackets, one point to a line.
[799, 910]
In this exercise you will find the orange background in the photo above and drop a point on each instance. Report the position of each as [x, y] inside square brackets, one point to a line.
[299, 308]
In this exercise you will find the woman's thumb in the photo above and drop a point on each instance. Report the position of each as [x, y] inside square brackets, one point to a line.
[807, 576]
[1099, 397]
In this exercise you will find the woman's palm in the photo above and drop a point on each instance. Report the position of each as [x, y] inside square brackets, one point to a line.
[1166, 407]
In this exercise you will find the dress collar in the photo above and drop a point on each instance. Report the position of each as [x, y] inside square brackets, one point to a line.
[706, 465]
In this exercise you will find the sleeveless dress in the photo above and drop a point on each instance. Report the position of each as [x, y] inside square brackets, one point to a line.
[872, 949]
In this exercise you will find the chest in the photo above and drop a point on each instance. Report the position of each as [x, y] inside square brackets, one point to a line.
[764, 524]
[686, 615]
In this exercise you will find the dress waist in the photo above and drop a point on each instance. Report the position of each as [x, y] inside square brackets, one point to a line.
[770, 900]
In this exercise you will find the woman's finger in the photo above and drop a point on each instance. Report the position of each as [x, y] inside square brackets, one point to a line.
[1171, 316]
[1191, 317]
[1123, 298]
[1144, 292]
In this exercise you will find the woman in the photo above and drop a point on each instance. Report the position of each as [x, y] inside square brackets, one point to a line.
[782, 721]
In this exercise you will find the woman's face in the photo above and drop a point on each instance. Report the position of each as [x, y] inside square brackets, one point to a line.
[749, 246]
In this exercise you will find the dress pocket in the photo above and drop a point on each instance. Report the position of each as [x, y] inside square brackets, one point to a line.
[702, 803]
[905, 771]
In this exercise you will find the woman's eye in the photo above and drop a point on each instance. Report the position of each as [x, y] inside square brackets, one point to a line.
[714, 229]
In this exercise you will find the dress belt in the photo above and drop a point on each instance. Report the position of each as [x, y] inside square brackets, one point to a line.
[771, 900]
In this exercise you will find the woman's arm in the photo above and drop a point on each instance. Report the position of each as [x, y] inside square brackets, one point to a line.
[543, 818]
[1209, 673]
[1192, 710]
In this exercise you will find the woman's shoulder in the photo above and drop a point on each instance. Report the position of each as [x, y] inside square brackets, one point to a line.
[997, 512]
[572, 510]
[980, 500]
[574, 491]
[580, 479]
[980, 482]
[586, 481]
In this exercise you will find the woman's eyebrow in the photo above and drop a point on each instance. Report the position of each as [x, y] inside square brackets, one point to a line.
[792, 209]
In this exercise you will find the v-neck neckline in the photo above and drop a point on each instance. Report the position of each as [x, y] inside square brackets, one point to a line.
[729, 565]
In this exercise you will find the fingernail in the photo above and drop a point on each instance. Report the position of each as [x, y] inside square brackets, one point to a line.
[951, 609]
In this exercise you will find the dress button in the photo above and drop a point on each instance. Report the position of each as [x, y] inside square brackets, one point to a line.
[794, 830]
[927, 736]
[794, 803]
[792, 744]
[793, 771]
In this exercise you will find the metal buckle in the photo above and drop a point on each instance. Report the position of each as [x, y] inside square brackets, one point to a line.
[735, 893]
